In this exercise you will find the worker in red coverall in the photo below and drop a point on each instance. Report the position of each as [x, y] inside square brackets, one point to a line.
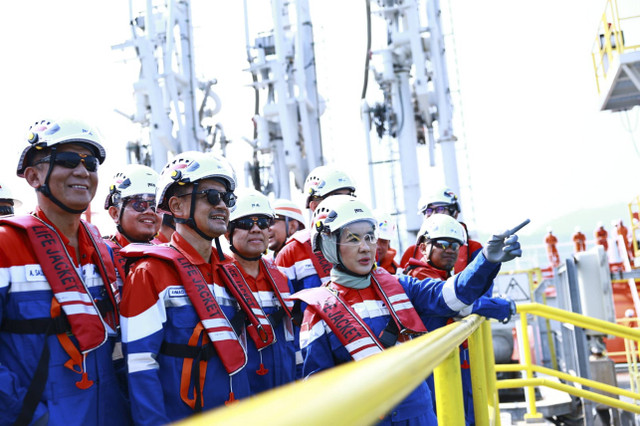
[444, 201]
[624, 232]
[385, 255]
[439, 241]
[552, 250]
[579, 240]
[601, 236]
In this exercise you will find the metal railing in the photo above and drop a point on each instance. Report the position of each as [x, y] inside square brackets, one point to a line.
[362, 392]
[610, 41]
[530, 382]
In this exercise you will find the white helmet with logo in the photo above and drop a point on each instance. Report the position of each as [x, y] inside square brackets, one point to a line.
[48, 133]
[134, 179]
[251, 203]
[386, 226]
[288, 208]
[442, 196]
[440, 225]
[336, 212]
[326, 179]
[189, 167]
[6, 194]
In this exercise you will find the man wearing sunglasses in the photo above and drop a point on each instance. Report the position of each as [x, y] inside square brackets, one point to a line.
[183, 329]
[58, 290]
[131, 203]
[273, 365]
[439, 241]
[444, 201]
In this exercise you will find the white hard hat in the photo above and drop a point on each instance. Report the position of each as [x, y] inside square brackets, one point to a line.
[288, 208]
[133, 179]
[189, 167]
[5, 194]
[251, 203]
[440, 225]
[336, 212]
[386, 226]
[47, 133]
[440, 196]
[325, 179]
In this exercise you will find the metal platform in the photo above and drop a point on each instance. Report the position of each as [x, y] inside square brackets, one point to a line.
[621, 89]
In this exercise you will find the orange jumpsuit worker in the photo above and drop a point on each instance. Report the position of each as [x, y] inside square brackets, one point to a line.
[601, 235]
[622, 230]
[579, 240]
[552, 251]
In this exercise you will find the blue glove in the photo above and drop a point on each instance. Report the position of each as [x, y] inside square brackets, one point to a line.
[504, 247]
[494, 307]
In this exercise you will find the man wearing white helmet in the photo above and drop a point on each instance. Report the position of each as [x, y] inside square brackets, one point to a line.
[352, 317]
[58, 291]
[385, 255]
[184, 348]
[287, 222]
[304, 267]
[444, 201]
[7, 201]
[131, 203]
[439, 241]
[272, 361]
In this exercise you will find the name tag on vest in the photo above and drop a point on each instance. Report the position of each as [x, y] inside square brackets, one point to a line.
[177, 292]
[34, 273]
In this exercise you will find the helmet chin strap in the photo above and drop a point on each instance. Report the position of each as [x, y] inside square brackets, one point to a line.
[191, 223]
[44, 188]
[235, 250]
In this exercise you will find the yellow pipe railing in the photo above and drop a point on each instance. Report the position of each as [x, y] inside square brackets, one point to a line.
[359, 393]
[530, 382]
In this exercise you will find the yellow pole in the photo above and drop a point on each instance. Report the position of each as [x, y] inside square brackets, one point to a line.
[478, 378]
[526, 354]
[448, 383]
[490, 368]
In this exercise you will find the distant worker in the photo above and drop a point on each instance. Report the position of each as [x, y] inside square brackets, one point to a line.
[7, 201]
[579, 240]
[288, 221]
[131, 203]
[628, 244]
[385, 255]
[552, 251]
[444, 201]
[601, 235]
[439, 241]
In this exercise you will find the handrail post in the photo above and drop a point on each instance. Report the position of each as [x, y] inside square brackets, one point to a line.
[490, 369]
[448, 384]
[479, 377]
[530, 394]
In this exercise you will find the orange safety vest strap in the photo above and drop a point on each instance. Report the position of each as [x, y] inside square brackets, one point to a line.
[354, 334]
[68, 288]
[260, 329]
[213, 319]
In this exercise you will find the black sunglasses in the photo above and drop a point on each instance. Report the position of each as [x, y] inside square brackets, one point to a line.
[214, 196]
[70, 160]
[247, 223]
[442, 244]
[140, 205]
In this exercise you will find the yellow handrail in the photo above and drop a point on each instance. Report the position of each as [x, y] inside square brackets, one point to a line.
[580, 321]
[358, 393]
